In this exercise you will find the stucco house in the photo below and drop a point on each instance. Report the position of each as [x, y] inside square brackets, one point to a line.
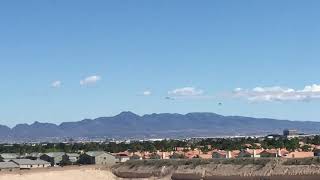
[97, 157]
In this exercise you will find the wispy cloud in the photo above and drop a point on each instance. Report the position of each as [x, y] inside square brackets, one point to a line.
[186, 91]
[56, 84]
[147, 93]
[277, 93]
[90, 80]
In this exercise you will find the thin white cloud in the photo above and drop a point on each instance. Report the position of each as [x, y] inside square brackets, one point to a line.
[56, 84]
[147, 93]
[90, 80]
[186, 91]
[277, 93]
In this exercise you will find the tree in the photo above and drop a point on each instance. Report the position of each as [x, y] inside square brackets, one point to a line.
[306, 148]
[292, 144]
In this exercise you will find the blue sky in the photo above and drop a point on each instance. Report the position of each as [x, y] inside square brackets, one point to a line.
[131, 55]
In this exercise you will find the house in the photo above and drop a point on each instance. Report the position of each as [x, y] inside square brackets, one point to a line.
[8, 166]
[290, 133]
[97, 157]
[297, 154]
[70, 158]
[31, 164]
[254, 153]
[6, 157]
[122, 157]
[274, 153]
[54, 158]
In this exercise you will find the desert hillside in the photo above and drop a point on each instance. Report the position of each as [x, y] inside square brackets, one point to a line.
[211, 169]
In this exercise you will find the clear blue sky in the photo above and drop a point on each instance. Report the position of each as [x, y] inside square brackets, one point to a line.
[139, 52]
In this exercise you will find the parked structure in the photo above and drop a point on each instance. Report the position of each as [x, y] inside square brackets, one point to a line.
[54, 158]
[8, 166]
[97, 157]
[30, 164]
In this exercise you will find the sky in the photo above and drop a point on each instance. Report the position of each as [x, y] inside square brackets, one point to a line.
[69, 60]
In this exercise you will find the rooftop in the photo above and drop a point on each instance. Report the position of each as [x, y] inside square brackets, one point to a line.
[29, 162]
[55, 154]
[6, 165]
[95, 153]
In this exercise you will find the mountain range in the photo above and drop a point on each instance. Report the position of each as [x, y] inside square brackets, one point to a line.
[128, 124]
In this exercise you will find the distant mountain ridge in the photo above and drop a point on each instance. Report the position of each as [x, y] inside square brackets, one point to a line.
[128, 124]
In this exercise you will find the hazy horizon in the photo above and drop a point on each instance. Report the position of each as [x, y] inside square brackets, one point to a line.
[93, 118]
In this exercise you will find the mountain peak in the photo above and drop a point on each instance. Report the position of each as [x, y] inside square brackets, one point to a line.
[127, 114]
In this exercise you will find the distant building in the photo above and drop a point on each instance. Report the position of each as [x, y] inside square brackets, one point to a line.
[54, 158]
[274, 136]
[97, 157]
[290, 132]
[31, 164]
[8, 166]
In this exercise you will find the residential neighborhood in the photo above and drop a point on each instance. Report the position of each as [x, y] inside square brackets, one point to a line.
[288, 145]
